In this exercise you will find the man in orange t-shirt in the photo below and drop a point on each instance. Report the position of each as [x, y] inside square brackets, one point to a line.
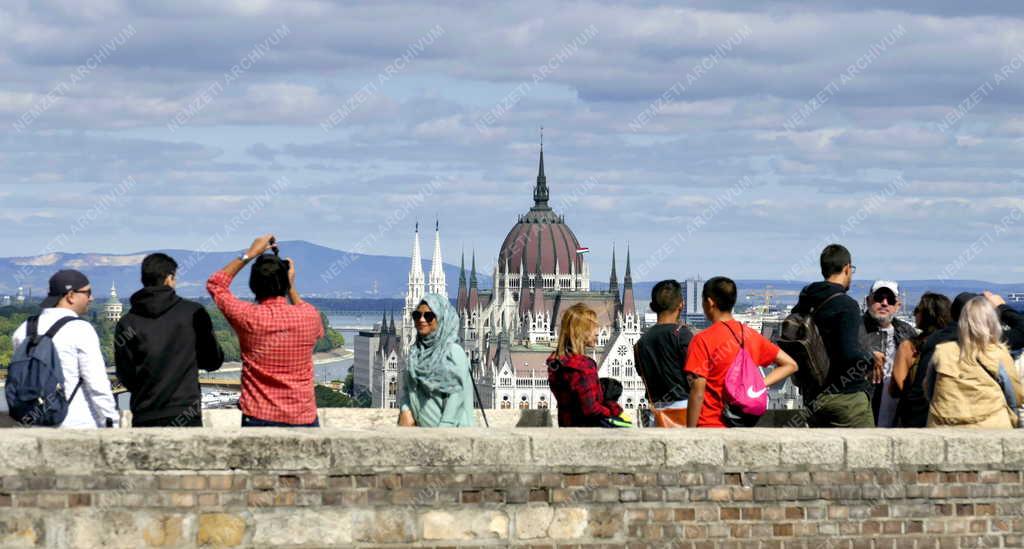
[713, 351]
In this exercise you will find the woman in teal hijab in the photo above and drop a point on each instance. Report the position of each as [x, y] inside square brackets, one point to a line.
[438, 388]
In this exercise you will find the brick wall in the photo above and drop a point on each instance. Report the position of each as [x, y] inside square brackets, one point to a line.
[523, 487]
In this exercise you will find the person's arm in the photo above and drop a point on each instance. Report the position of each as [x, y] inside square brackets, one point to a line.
[219, 284]
[1011, 318]
[588, 389]
[124, 362]
[405, 417]
[785, 366]
[901, 367]
[693, 409]
[209, 355]
[92, 373]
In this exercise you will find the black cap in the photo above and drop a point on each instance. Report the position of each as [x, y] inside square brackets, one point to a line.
[61, 283]
[958, 304]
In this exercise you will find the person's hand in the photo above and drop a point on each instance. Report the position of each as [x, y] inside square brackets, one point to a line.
[878, 374]
[260, 245]
[995, 299]
[405, 419]
[291, 271]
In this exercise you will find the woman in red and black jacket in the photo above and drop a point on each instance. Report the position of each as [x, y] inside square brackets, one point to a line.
[572, 375]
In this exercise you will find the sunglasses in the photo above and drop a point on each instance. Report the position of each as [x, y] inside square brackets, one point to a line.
[86, 292]
[428, 316]
[884, 296]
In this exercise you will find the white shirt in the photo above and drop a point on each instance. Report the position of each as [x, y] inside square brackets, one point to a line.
[80, 357]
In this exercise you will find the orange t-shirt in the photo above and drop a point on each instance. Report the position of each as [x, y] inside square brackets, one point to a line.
[711, 354]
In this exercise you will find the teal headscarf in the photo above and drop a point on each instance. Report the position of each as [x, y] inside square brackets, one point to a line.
[430, 360]
[438, 381]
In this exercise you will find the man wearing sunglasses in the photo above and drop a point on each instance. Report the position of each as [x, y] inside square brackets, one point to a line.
[885, 333]
[91, 399]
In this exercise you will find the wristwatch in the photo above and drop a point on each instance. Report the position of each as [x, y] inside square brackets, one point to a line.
[244, 258]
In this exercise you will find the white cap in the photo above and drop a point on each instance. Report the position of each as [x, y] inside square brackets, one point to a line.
[888, 284]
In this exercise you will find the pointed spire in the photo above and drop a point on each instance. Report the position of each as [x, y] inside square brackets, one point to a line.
[613, 280]
[524, 288]
[417, 259]
[540, 191]
[463, 298]
[437, 284]
[538, 305]
[384, 322]
[628, 301]
[474, 293]
[392, 330]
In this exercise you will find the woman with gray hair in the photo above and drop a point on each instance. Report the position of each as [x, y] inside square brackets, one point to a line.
[976, 384]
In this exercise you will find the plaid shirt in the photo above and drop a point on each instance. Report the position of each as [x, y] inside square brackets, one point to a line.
[573, 379]
[277, 341]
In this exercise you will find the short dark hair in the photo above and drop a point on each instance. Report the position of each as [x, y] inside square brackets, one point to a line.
[156, 267]
[269, 277]
[723, 291]
[834, 258]
[666, 296]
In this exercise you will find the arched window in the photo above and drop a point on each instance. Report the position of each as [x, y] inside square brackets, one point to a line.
[543, 404]
[505, 403]
[524, 404]
[629, 403]
[393, 387]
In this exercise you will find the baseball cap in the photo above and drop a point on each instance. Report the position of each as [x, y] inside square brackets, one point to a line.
[890, 285]
[61, 283]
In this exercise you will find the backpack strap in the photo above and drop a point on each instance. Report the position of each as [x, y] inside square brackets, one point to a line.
[822, 304]
[60, 324]
[740, 339]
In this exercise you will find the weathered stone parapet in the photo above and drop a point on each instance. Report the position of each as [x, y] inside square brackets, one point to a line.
[521, 487]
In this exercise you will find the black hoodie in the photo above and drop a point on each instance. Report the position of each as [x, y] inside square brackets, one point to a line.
[159, 347]
[842, 329]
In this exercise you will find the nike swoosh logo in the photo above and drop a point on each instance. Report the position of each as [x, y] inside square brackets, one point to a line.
[755, 394]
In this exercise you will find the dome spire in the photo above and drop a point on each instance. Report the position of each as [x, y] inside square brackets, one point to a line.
[540, 191]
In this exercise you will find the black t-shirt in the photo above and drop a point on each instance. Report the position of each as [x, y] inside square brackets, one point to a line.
[660, 357]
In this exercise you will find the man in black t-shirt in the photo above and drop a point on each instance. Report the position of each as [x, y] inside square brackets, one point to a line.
[661, 352]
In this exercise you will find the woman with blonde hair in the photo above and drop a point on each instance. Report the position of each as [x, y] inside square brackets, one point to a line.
[572, 375]
[976, 384]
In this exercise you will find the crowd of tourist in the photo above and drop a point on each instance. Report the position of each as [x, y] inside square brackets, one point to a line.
[854, 369]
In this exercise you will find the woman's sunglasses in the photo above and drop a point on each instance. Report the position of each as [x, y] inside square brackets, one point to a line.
[428, 316]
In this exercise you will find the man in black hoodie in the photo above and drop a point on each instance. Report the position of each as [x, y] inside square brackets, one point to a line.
[159, 347]
[843, 401]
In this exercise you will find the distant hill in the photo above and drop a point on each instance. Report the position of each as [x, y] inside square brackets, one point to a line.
[322, 272]
[326, 272]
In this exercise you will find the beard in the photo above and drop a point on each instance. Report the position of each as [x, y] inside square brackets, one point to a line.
[882, 319]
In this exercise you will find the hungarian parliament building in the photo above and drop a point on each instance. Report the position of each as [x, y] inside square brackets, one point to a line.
[509, 330]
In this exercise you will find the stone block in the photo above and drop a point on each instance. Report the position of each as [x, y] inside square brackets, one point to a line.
[568, 523]
[973, 448]
[385, 525]
[67, 451]
[221, 530]
[596, 447]
[532, 521]
[803, 447]
[867, 449]
[172, 449]
[354, 450]
[500, 448]
[748, 449]
[321, 527]
[19, 451]
[464, 525]
[690, 447]
[116, 529]
[20, 528]
[1013, 448]
[919, 448]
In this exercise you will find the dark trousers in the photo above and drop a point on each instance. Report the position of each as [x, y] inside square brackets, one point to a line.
[249, 421]
[180, 420]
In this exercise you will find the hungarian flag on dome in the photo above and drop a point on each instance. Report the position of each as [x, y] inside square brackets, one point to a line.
[583, 250]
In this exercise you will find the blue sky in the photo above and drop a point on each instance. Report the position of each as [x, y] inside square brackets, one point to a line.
[778, 126]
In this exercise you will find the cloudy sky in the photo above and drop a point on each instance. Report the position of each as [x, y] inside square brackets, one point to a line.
[712, 137]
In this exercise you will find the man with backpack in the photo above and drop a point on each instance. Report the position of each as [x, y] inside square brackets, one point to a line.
[160, 346]
[840, 397]
[57, 357]
[714, 355]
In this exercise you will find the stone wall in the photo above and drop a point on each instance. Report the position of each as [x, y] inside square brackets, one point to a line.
[391, 487]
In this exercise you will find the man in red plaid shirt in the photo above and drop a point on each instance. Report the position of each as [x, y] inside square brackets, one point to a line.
[277, 339]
